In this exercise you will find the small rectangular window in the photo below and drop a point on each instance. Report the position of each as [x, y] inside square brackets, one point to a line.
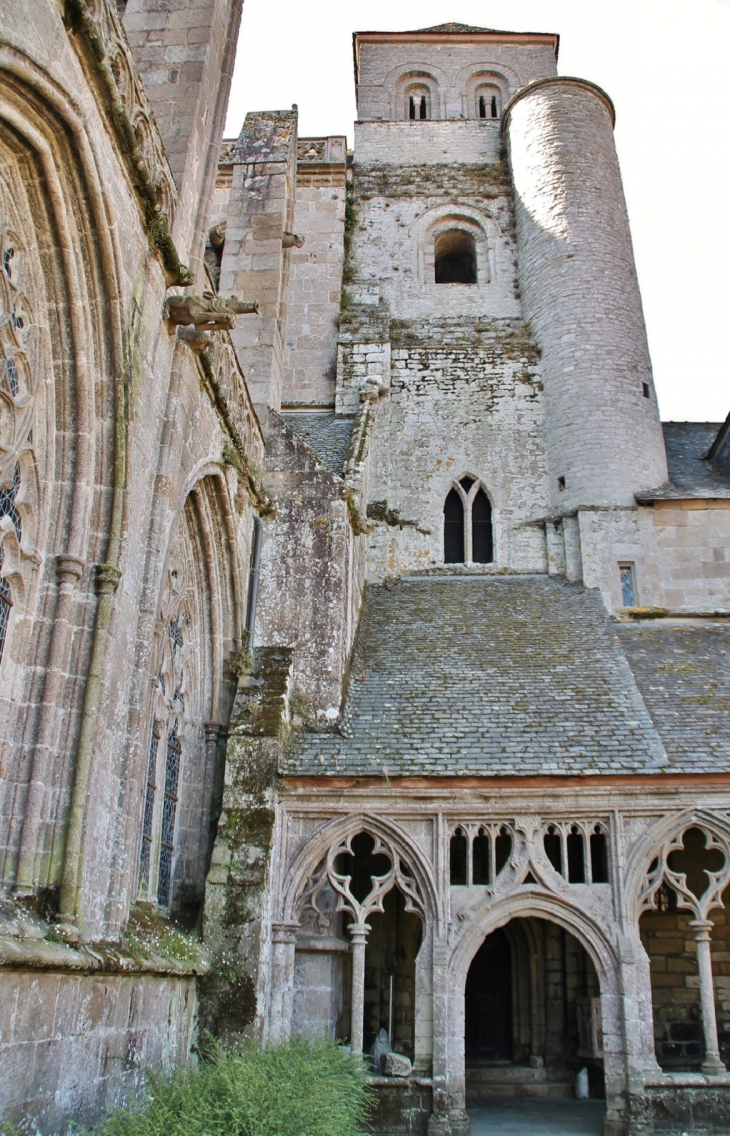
[561, 483]
[645, 390]
[628, 585]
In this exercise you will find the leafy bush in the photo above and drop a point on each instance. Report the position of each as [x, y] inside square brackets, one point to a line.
[297, 1089]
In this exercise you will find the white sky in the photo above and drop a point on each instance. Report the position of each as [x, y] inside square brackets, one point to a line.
[665, 65]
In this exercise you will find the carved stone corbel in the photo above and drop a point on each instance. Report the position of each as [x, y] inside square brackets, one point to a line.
[207, 312]
[291, 240]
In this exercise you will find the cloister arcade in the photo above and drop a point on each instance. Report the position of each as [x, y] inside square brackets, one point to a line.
[521, 972]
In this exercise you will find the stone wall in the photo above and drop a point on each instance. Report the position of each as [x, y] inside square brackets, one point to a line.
[74, 1045]
[450, 66]
[680, 549]
[310, 355]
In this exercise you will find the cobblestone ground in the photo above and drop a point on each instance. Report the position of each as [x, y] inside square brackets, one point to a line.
[538, 1118]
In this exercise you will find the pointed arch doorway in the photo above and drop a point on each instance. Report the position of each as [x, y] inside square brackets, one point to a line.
[532, 1015]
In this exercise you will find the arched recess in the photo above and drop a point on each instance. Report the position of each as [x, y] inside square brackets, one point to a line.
[430, 226]
[679, 876]
[62, 427]
[319, 899]
[525, 904]
[412, 79]
[333, 834]
[486, 82]
[198, 627]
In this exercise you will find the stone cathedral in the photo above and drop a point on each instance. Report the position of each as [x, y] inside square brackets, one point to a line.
[364, 633]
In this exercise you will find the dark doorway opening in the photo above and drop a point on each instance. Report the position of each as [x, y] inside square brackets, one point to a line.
[488, 1028]
[532, 1015]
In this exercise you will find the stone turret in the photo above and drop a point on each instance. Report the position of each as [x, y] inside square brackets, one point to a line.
[580, 292]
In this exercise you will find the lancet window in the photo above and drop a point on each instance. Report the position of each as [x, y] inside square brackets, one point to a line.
[468, 535]
[478, 853]
[158, 840]
[579, 852]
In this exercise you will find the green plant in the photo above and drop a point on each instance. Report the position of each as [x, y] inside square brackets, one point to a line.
[240, 663]
[296, 1089]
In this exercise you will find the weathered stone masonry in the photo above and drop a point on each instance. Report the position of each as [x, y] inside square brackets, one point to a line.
[363, 633]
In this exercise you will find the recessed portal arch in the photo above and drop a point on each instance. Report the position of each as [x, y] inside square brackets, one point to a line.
[531, 906]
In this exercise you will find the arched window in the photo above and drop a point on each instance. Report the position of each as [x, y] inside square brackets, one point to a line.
[455, 257]
[9, 509]
[418, 103]
[169, 811]
[468, 536]
[458, 858]
[488, 101]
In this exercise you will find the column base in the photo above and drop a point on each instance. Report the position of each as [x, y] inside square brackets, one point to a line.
[713, 1069]
[452, 1123]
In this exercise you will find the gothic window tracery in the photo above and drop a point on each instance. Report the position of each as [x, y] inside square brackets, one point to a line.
[10, 515]
[157, 848]
[478, 853]
[468, 532]
[578, 851]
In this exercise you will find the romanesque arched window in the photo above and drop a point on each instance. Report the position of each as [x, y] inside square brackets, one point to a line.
[455, 257]
[488, 101]
[468, 534]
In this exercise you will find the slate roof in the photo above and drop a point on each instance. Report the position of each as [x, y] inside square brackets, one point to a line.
[486, 676]
[326, 433]
[683, 673]
[690, 473]
[453, 29]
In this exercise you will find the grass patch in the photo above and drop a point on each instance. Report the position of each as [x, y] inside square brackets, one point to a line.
[297, 1089]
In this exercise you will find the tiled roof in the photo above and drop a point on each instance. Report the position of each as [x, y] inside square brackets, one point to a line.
[324, 432]
[690, 473]
[488, 676]
[683, 673]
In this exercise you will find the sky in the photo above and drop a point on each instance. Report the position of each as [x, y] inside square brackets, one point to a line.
[665, 65]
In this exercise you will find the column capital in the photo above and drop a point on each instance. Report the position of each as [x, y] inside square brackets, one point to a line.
[702, 928]
[284, 932]
[359, 932]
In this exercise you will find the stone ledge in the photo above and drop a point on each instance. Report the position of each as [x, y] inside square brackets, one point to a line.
[44, 954]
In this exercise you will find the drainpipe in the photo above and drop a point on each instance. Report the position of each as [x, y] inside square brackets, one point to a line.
[253, 578]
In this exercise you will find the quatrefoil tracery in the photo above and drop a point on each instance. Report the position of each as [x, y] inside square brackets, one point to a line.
[326, 875]
[661, 873]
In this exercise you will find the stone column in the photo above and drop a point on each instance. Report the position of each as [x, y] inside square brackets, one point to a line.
[283, 938]
[712, 1066]
[359, 934]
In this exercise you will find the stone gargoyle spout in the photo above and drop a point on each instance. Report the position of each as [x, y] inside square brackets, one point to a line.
[208, 312]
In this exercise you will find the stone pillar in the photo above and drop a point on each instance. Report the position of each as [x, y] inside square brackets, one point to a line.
[359, 934]
[255, 265]
[581, 295]
[712, 1066]
[283, 938]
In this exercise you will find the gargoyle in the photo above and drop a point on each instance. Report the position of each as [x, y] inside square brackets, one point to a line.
[208, 312]
[292, 240]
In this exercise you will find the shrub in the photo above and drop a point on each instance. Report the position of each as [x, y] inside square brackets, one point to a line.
[297, 1089]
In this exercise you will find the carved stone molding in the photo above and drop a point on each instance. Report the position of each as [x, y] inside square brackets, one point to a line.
[97, 27]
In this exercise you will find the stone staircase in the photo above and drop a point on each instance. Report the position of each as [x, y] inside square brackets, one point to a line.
[489, 1080]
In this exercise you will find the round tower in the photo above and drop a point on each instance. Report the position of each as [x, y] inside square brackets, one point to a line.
[581, 295]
